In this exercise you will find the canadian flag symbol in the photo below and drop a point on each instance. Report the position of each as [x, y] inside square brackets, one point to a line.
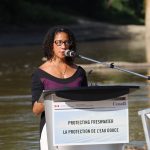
[56, 106]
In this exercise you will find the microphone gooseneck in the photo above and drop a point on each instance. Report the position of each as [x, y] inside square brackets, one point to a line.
[71, 53]
[112, 66]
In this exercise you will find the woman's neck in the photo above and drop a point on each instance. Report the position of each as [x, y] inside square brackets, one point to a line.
[59, 67]
[58, 61]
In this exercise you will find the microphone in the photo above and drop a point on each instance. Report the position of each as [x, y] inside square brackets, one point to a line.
[70, 53]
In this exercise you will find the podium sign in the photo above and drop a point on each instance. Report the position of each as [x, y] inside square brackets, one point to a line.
[90, 122]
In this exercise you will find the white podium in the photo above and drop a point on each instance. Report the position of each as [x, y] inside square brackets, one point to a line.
[87, 118]
[145, 117]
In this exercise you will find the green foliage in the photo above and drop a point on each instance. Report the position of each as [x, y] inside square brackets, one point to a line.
[56, 12]
[118, 12]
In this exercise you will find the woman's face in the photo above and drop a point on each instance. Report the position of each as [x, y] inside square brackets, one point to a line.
[61, 43]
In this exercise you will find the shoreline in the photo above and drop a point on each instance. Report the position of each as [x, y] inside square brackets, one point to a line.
[127, 65]
[84, 31]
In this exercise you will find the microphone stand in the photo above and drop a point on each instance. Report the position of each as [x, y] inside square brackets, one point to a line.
[111, 65]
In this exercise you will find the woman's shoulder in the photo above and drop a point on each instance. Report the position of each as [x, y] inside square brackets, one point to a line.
[80, 71]
[76, 66]
[44, 66]
[36, 73]
[38, 69]
[81, 68]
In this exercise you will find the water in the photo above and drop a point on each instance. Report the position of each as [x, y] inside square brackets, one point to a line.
[19, 128]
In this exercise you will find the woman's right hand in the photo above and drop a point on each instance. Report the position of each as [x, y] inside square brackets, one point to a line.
[38, 108]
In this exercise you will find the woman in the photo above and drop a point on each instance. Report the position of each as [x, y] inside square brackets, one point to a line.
[57, 72]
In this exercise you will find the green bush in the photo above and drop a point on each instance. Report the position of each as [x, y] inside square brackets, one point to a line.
[21, 12]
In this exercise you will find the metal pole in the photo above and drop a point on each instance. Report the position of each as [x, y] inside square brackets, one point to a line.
[115, 67]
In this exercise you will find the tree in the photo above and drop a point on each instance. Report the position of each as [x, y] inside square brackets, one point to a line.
[147, 26]
[147, 17]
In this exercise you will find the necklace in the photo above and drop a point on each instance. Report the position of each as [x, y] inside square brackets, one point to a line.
[64, 72]
[59, 70]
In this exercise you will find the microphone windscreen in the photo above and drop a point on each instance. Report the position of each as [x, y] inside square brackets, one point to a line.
[70, 53]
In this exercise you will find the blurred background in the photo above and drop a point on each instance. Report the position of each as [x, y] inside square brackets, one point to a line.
[106, 30]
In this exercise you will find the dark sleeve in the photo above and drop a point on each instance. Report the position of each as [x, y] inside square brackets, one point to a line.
[84, 77]
[37, 87]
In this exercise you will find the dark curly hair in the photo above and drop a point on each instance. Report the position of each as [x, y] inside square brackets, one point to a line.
[49, 40]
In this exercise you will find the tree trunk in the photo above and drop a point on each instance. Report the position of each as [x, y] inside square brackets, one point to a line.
[147, 17]
[147, 31]
[109, 3]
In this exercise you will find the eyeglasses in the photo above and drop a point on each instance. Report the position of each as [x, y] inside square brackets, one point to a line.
[60, 42]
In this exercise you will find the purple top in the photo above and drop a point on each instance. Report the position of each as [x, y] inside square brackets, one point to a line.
[41, 80]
